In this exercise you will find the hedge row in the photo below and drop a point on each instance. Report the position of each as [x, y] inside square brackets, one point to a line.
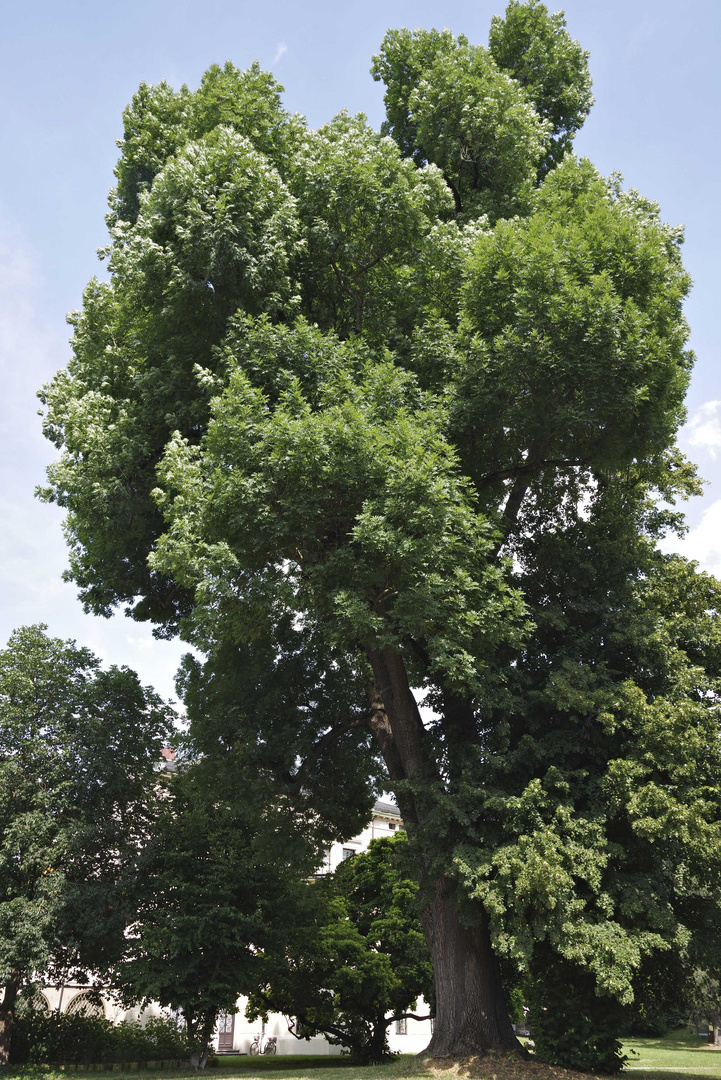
[41, 1039]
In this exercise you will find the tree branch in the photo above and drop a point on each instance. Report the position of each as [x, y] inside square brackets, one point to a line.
[527, 468]
[380, 727]
[405, 1016]
[330, 1029]
[455, 192]
[295, 780]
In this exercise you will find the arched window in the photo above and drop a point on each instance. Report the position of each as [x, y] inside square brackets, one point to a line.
[88, 1003]
[37, 1002]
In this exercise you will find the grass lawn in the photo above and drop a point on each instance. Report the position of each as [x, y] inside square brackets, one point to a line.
[244, 1067]
[677, 1056]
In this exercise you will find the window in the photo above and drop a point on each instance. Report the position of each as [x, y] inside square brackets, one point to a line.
[86, 1004]
[347, 852]
[391, 825]
[401, 1026]
[37, 1002]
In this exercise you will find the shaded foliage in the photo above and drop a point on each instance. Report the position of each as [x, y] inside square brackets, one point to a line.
[46, 1038]
[358, 960]
[79, 750]
[216, 885]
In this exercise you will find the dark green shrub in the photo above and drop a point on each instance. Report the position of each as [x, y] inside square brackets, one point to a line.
[158, 1038]
[570, 1024]
[40, 1038]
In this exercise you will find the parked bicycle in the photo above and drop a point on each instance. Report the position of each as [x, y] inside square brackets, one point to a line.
[258, 1046]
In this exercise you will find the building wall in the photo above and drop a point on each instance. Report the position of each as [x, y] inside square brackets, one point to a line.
[60, 999]
[382, 823]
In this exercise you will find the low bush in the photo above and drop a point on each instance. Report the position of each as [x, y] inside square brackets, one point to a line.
[42, 1038]
[570, 1024]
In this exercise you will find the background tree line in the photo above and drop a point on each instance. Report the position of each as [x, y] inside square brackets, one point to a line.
[175, 887]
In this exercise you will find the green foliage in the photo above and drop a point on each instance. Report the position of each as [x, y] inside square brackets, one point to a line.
[303, 472]
[449, 104]
[662, 998]
[215, 888]
[571, 1025]
[703, 997]
[356, 414]
[574, 316]
[537, 51]
[42, 1038]
[159, 122]
[79, 749]
[216, 232]
[358, 959]
[365, 209]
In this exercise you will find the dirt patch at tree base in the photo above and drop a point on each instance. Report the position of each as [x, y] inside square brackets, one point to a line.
[495, 1066]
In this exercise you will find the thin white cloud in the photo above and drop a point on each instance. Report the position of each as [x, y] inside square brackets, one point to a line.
[280, 52]
[702, 543]
[703, 431]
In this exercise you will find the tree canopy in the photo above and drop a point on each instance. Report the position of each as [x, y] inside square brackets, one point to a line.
[377, 420]
[214, 888]
[79, 749]
[356, 960]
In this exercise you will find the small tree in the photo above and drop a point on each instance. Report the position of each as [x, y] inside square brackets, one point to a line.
[79, 747]
[358, 961]
[215, 888]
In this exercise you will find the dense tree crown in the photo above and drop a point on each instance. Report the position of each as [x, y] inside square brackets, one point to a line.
[215, 888]
[358, 412]
[355, 959]
[79, 747]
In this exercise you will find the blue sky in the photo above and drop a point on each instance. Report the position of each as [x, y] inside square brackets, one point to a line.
[67, 69]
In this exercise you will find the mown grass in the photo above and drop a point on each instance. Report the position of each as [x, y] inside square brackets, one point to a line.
[677, 1056]
[300, 1067]
[259, 1065]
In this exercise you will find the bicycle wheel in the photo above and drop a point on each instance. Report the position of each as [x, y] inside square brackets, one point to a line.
[254, 1048]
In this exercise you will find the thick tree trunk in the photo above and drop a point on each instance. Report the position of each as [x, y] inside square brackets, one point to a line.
[378, 1045]
[199, 1033]
[716, 1025]
[471, 1013]
[7, 1016]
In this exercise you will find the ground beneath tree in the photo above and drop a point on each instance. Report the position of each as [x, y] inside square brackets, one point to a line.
[499, 1067]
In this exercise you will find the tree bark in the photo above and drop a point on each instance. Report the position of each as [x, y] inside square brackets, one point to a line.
[716, 1025]
[378, 1045]
[7, 1017]
[471, 1013]
[200, 1032]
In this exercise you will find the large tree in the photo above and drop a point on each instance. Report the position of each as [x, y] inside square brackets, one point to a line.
[358, 415]
[79, 751]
